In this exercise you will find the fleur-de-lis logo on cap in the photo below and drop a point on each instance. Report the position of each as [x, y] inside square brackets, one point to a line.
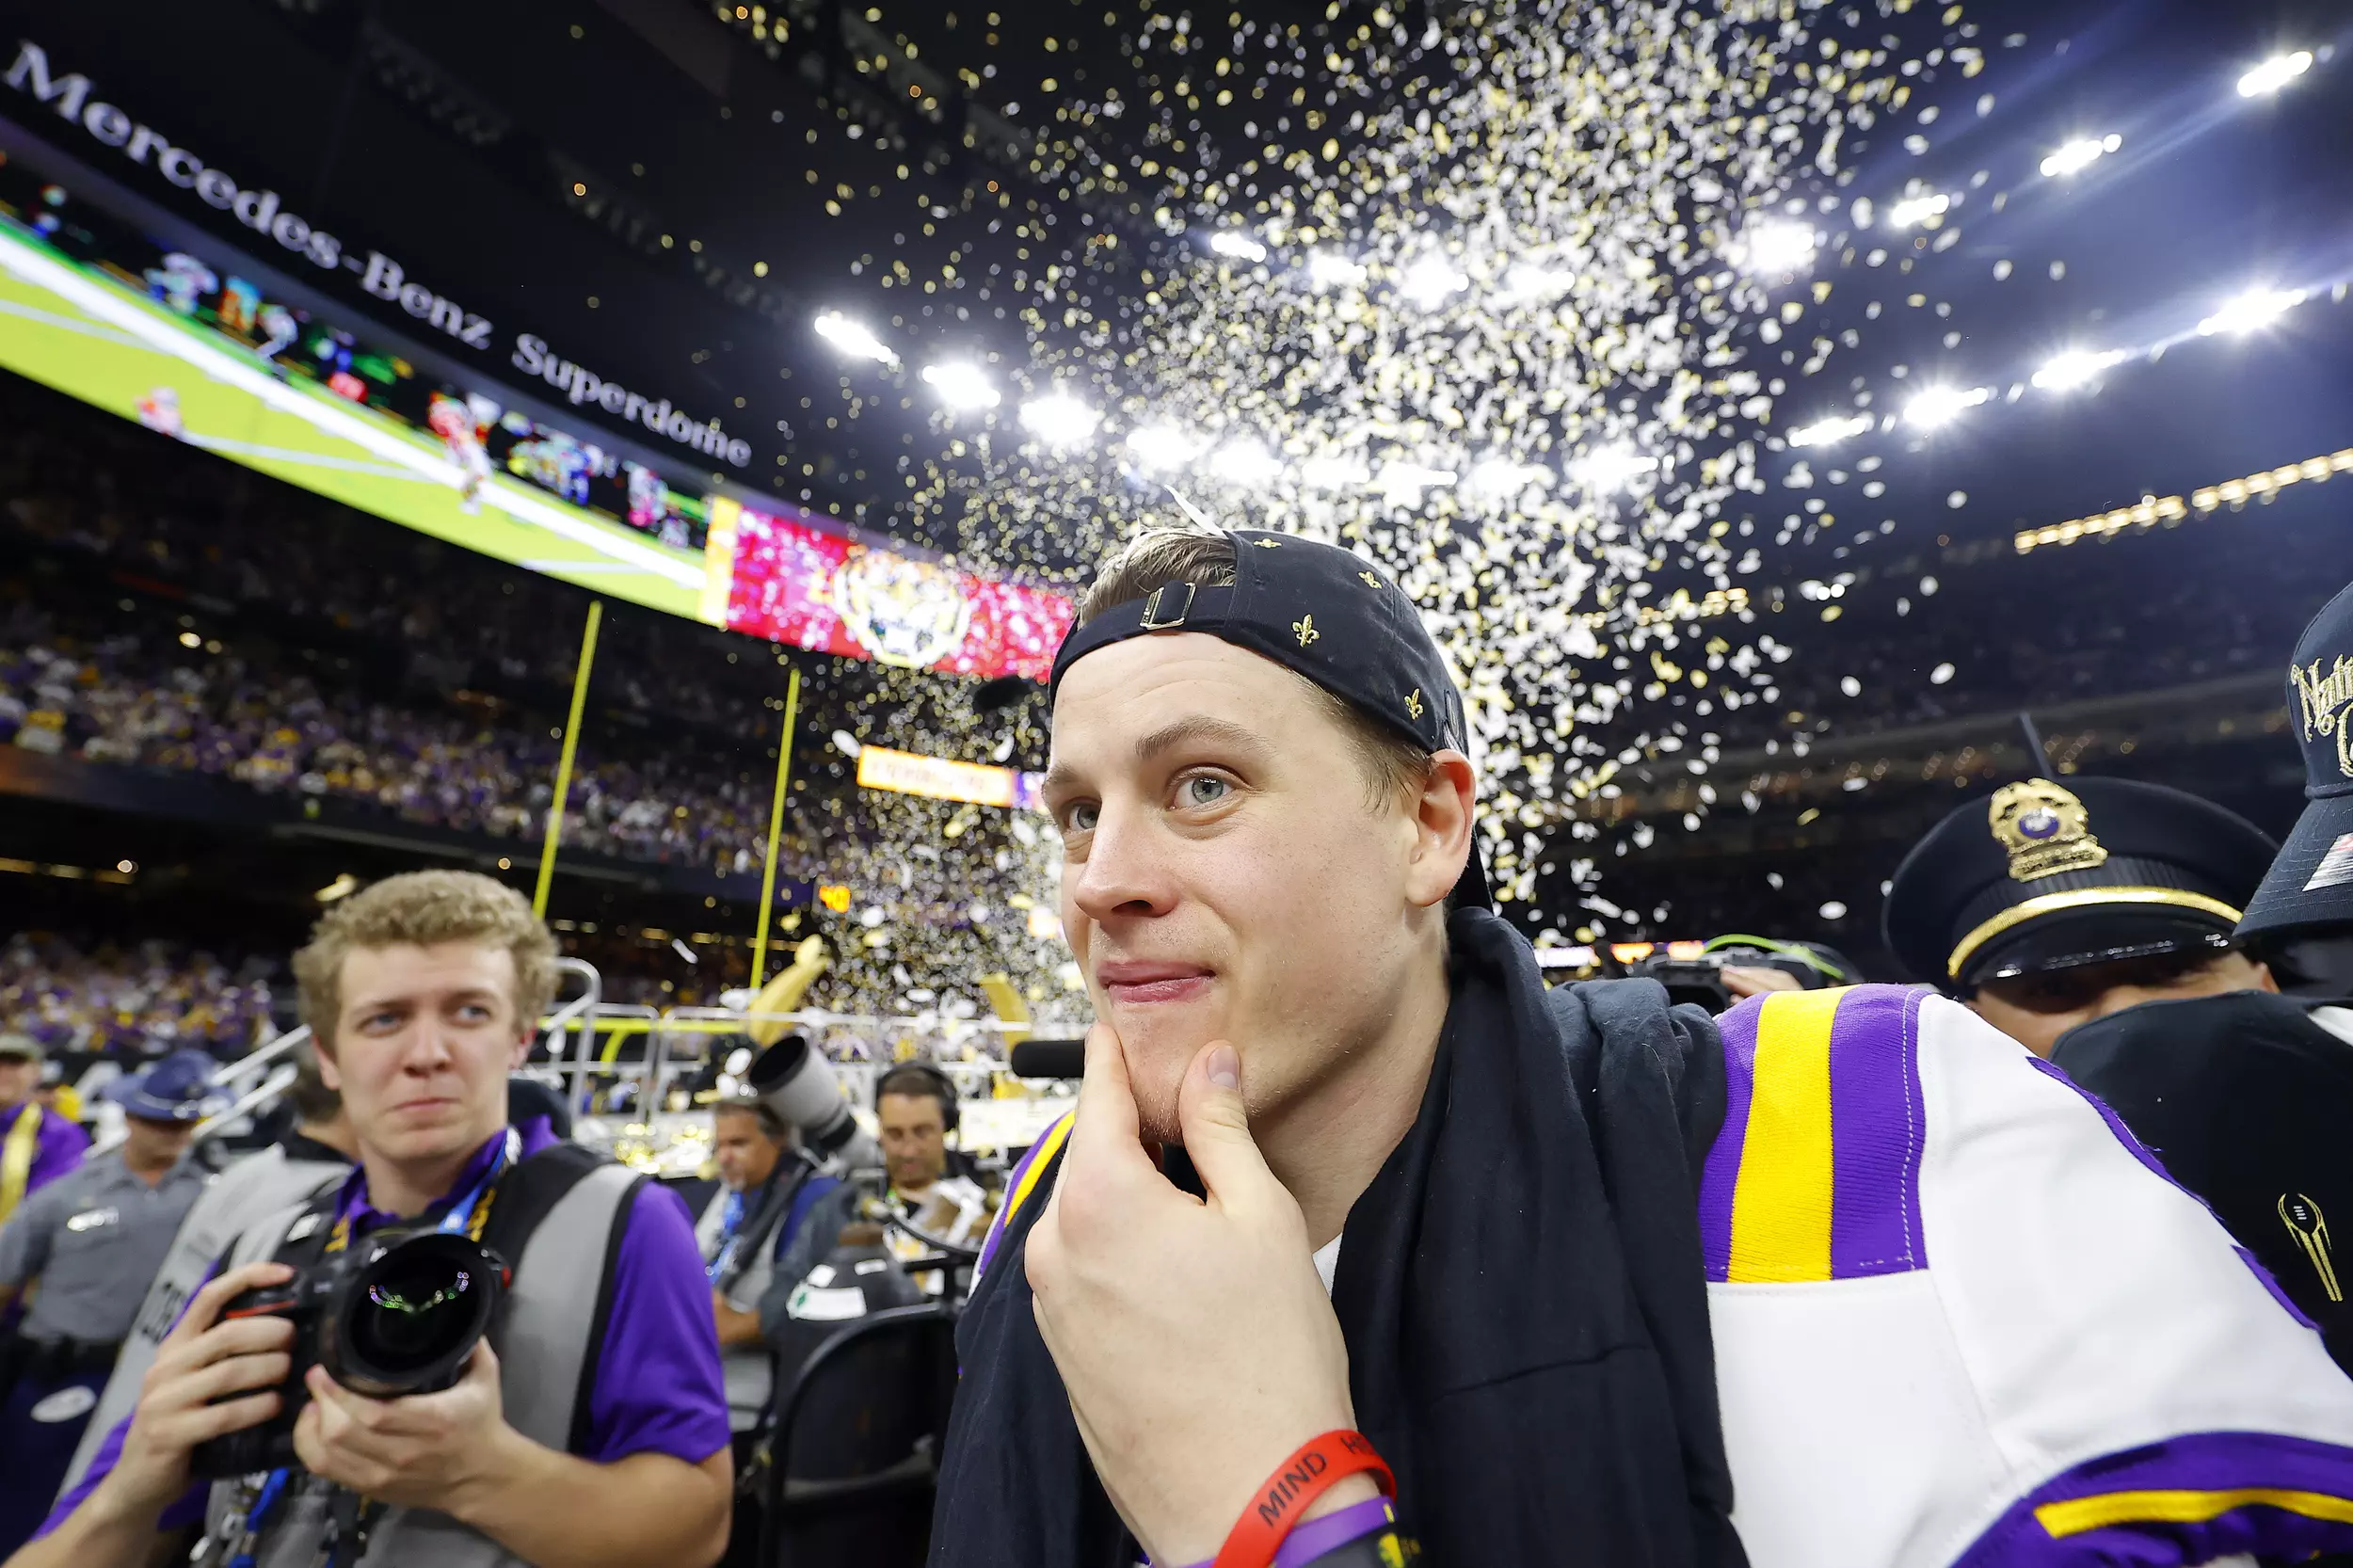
[1371, 581]
[1413, 702]
[1268, 544]
[1304, 628]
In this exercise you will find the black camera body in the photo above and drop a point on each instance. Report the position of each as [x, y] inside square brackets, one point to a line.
[1700, 980]
[398, 1314]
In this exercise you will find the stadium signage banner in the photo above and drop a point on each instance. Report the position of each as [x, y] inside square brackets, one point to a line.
[909, 772]
[73, 96]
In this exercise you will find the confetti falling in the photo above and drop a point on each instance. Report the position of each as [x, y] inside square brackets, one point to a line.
[1489, 319]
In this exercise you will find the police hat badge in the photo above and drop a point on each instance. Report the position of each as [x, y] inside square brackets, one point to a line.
[2045, 828]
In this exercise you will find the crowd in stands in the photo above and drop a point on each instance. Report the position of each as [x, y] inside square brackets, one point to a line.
[135, 696]
[138, 998]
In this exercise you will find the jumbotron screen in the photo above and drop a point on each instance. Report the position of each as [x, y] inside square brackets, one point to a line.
[201, 344]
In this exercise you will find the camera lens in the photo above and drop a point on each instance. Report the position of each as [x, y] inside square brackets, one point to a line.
[412, 1315]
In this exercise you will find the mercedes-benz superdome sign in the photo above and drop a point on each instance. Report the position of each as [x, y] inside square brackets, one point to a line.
[119, 288]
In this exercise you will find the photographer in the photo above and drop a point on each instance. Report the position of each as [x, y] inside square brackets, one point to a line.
[1351, 1205]
[767, 1193]
[589, 1427]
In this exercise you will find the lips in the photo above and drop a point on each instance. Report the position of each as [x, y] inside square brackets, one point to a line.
[1134, 982]
[423, 1107]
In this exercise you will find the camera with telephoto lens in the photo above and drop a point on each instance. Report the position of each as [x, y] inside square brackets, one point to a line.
[1698, 978]
[398, 1314]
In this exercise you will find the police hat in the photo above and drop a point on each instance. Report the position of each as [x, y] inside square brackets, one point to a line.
[2312, 881]
[1319, 612]
[2047, 876]
[179, 1088]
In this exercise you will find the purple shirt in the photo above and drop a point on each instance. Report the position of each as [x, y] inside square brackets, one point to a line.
[57, 1148]
[658, 1389]
[60, 1148]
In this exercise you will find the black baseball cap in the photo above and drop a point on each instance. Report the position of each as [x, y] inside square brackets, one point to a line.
[2048, 876]
[2312, 881]
[1322, 613]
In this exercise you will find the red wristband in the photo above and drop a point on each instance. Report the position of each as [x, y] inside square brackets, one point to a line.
[1300, 1481]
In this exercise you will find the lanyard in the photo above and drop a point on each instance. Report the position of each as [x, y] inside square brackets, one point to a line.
[467, 1215]
[731, 1222]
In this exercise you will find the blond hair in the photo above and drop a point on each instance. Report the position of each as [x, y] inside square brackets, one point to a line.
[1394, 763]
[420, 908]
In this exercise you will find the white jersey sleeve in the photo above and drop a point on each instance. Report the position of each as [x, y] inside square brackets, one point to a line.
[1961, 1318]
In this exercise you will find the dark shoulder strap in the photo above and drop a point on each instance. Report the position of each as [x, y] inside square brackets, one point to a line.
[530, 1193]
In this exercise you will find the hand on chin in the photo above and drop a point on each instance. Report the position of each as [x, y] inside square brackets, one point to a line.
[1157, 1049]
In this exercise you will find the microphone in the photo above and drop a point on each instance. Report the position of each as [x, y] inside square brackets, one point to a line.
[1049, 1059]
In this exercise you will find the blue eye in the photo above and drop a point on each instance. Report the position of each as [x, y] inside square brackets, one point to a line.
[1203, 789]
[1079, 818]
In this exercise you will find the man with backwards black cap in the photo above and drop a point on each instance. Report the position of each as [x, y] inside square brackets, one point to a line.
[1351, 1205]
[2051, 904]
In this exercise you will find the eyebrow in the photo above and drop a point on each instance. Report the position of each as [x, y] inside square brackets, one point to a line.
[1199, 729]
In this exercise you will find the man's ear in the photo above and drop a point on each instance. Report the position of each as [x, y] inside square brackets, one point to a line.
[1441, 827]
[2266, 980]
[521, 1052]
[329, 1075]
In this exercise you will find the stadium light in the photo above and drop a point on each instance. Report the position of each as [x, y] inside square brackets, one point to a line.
[1940, 406]
[1775, 246]
[1059, 419]
[2249, 311]
[2078, 155]
[1234, 243]
[853, 338]
[2274, 74]
[1612, 468]
[962, 385]
[1501, 477]
[1428, 281]
[1823, 432]
[1328, 269]
[1244, 462]
[1918, 209]
[1530, 281]
[1403, 483]
[1331, 472]
[1160, 446]
[2073, 369]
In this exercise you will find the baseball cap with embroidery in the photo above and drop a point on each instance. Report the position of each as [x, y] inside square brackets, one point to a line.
[1321, 612]
[2311, 882]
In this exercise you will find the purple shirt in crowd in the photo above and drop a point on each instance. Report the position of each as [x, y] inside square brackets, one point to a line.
[57, 1149]
[659, 1388]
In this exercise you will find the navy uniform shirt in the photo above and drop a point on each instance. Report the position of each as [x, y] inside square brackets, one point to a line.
[94, 1238]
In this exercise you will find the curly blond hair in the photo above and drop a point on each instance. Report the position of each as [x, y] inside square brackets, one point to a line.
[423, 908]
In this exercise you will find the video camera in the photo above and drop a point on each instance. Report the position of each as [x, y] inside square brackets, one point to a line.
[398, 1314]
[1700, 979]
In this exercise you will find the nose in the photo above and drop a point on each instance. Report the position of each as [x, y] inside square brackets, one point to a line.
[1124, 873]
[428, 1046]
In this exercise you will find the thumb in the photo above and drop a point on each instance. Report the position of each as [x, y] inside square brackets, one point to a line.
[1217, 1126]
[484, 1365]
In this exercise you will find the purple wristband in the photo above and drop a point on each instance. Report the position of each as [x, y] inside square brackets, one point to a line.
[1334, 1530]
[1310, 1540]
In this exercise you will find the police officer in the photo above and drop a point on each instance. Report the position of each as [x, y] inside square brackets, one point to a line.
[2247, 1097]
[37, 1144]
[2052, 904]
[91, 1240]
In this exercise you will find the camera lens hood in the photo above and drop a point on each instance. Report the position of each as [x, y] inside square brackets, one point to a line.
[407, 1317]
